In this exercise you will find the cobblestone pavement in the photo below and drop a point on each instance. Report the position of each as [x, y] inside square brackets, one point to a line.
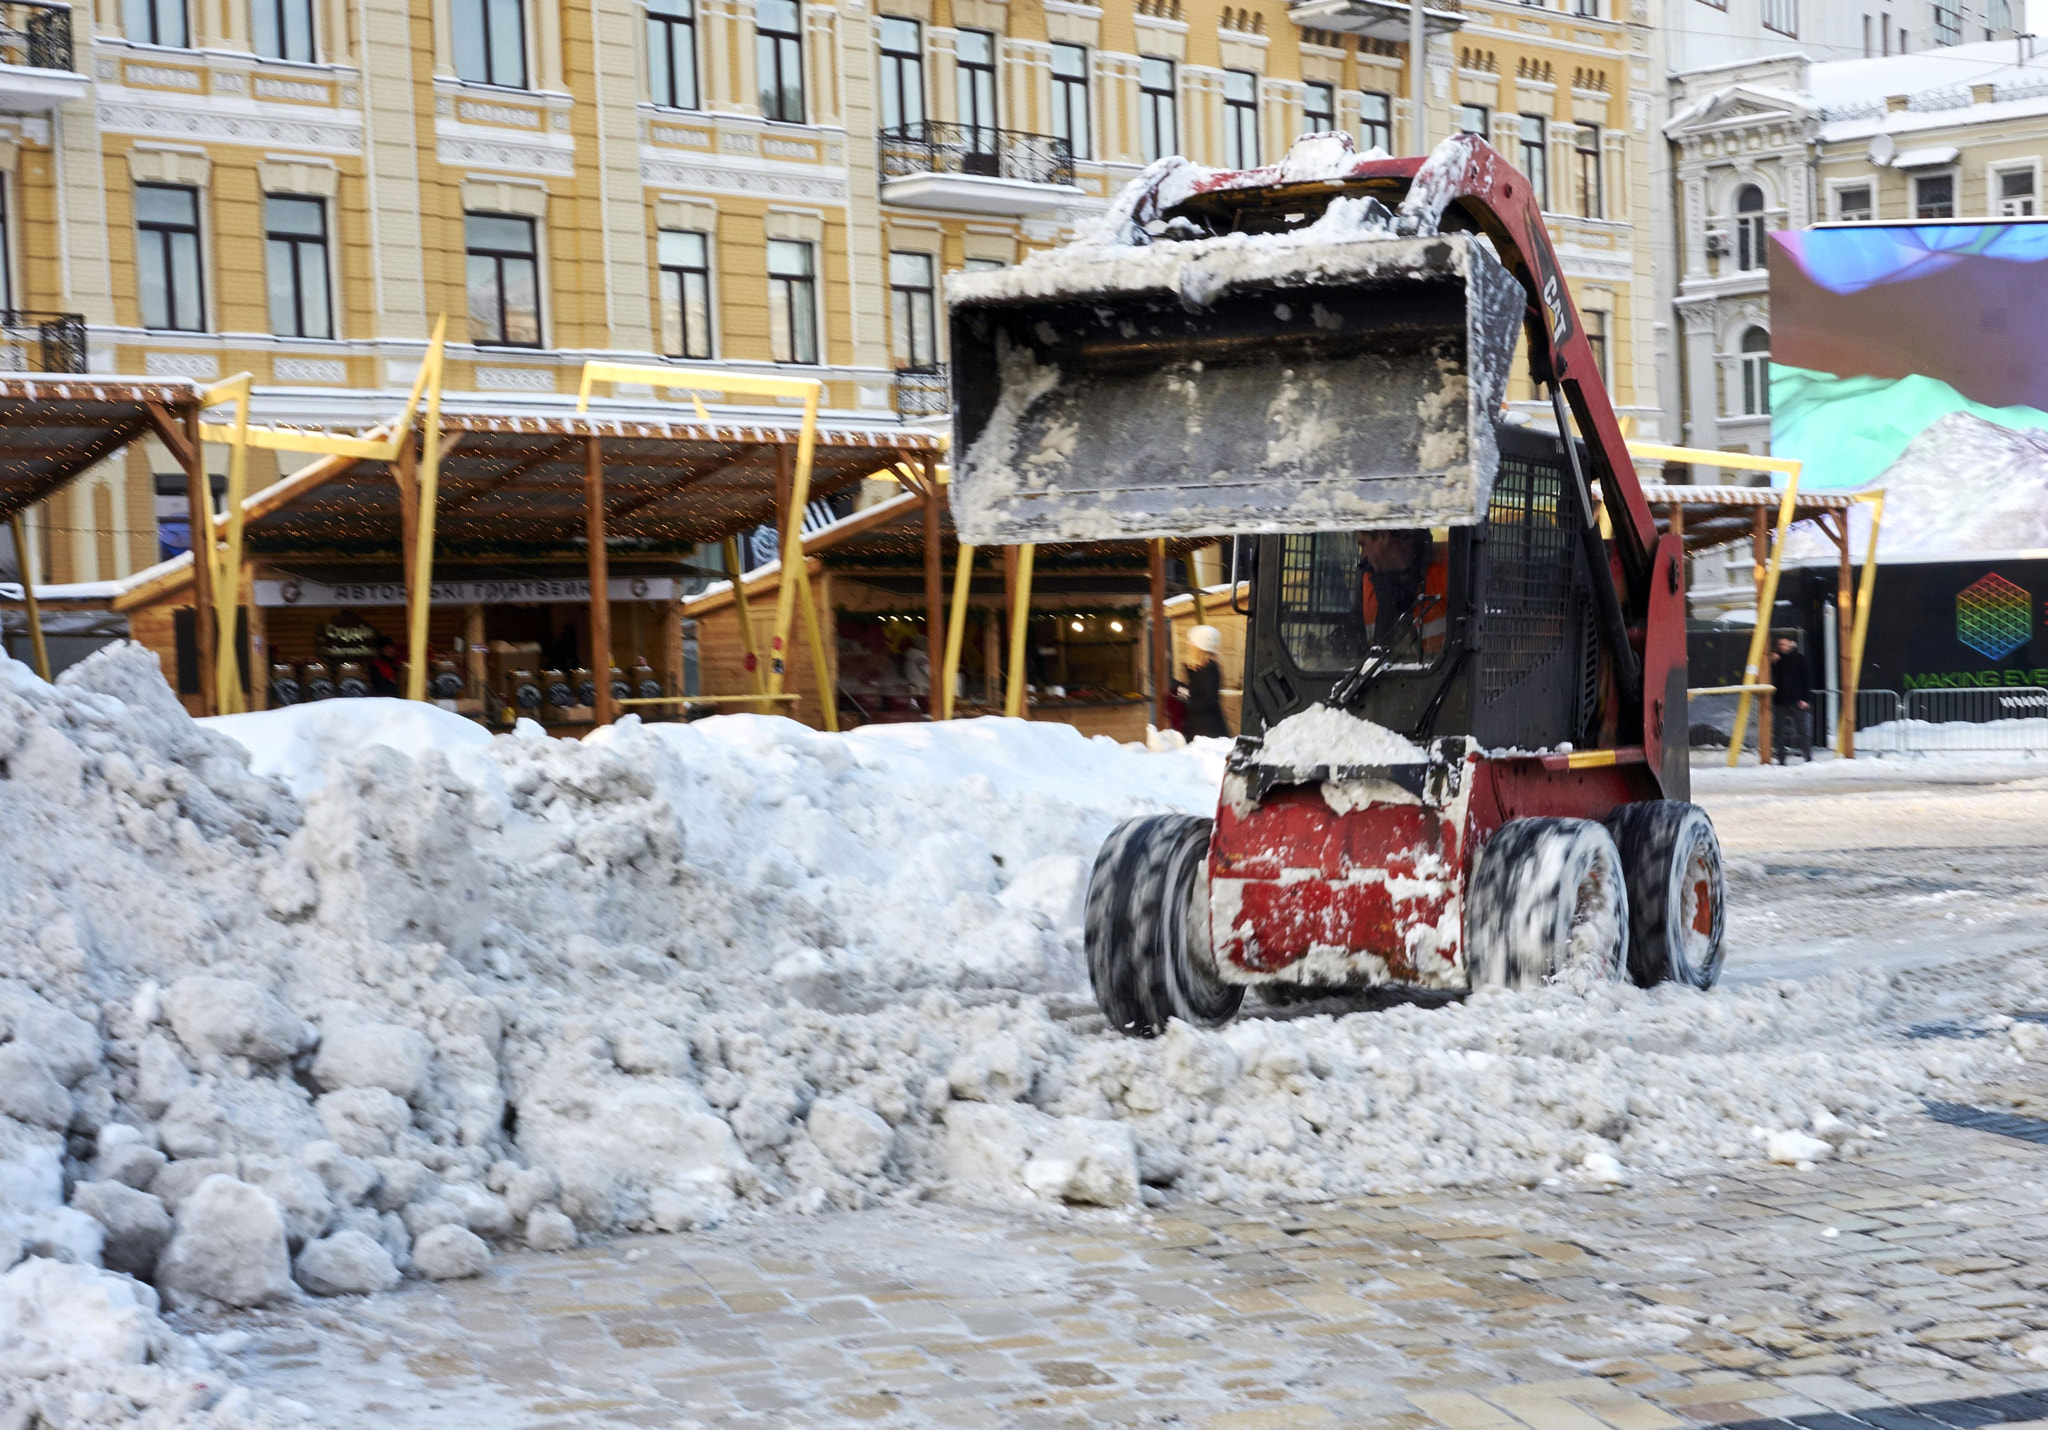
[1913, 1276]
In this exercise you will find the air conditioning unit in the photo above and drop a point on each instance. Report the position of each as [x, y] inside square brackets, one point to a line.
[1720, 242]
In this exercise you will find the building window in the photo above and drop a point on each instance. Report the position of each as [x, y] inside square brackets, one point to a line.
[1158, 132]
[1376, 121]
[1852, 204]
[975, 82]
[1592, 193]
[1948, 25]
[490, 42]
[684, 259]
[1756, 373]
[283, 29]
[2015, 193]
[792, 300]
[1934, 196]
[167, 258]
[672, 53]
[1318, 109]
[779, 60]
[1469, 119]
[1240, 119]
[983, 265]
[1070, 98]
[1749, 227]
[295, 252]
[1588, 9]
[1596, 338]
[504, 280]
[902, 73]
[913, 311]
[1536, 157]
[1782, 16]
[155, 22]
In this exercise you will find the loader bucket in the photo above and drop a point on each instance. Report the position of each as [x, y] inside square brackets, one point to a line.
[1230, 386]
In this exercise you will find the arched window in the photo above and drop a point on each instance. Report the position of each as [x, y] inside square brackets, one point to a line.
[1749, 227]
[1756, 373]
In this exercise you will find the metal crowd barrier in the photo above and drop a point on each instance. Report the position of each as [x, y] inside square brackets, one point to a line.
[1978, 718]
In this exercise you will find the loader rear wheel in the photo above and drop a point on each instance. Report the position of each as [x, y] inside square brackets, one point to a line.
[1148, 928]
[1548, 902]
[1676, 895]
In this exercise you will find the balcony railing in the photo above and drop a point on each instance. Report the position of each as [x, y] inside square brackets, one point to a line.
[923, 391]
[36, 33]
[939, 147]
[41, 342]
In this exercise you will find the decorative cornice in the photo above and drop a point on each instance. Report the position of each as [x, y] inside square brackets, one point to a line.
[467, 152]
[729, 178]
[208, 123]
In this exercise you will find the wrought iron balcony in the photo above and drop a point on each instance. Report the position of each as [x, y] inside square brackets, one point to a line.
[964, 168]
[38, 69]
[924, 391]
[41, 342]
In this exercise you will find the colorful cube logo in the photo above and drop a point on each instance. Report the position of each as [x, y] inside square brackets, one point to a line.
[1994, 617]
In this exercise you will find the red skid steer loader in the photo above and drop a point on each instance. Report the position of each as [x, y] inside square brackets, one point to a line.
[1465, 757]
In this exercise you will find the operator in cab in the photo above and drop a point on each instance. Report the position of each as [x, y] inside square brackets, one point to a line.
[1404, 576]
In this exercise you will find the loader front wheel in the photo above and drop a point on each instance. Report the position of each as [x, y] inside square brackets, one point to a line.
[1547, 903]
[1148, 928]
[1676, 894]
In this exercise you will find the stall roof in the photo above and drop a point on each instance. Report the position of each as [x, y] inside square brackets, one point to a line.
[1722, 516]
[513, 486]
[54, 428]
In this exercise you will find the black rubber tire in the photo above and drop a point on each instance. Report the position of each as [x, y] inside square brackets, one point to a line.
[1671, 858]
[1541, 885]
[1148, 954]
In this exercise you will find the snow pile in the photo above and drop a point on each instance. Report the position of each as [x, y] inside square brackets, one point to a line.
[265, 1036]
[1320, 737]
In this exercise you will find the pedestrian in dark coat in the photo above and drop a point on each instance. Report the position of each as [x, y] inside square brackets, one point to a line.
[1202, 690]
[1791, 701]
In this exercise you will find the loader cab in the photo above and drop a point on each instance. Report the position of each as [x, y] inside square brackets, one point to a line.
[1485, 630]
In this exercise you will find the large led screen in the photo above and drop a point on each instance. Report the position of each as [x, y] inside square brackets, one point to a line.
[1914, 357]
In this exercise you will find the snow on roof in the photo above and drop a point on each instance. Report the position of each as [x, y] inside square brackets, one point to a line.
[1839, 84]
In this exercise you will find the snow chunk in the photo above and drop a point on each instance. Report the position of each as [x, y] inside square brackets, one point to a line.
[368, 1054]
[57, 1318]
[229, 1246]
[1322, 737]
[233, 1017]
[450, 1253]
[347, 1263]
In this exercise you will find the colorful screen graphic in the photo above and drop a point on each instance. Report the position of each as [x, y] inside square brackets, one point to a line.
[1915, 358]
[1994, 617]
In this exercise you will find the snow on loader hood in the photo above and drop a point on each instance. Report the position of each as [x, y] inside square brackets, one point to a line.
[267, 1017]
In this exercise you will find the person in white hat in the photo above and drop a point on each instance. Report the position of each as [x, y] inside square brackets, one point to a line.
[1202, 688]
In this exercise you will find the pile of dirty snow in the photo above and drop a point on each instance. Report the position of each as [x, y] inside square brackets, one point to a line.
[361, 993]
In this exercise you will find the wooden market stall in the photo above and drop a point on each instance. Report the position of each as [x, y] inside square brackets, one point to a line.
[54, 429]
[1097, 645]
[527, 516]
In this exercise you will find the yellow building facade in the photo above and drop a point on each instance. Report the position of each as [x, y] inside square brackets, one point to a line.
[296, 188]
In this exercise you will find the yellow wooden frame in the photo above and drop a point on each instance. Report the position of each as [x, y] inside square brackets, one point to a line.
[226, 560]
[1767, 594]
[795, 582]
[1020, 621]
[1864, 590]
[956, 629]
[29, 605]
